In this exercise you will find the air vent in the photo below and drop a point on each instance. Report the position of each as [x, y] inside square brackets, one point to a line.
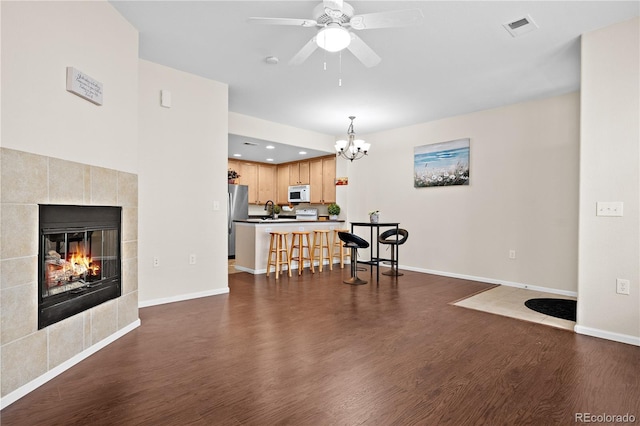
[520, 26]
[251, 143]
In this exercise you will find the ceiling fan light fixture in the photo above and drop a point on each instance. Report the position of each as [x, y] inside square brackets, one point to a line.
[333, 38]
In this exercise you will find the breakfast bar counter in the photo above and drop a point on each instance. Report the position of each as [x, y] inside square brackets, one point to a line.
[252, 238]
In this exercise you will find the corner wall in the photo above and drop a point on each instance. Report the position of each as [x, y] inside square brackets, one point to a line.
[609, 171]
[183, 186]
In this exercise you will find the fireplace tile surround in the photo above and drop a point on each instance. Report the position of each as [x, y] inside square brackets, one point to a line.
[27, 180]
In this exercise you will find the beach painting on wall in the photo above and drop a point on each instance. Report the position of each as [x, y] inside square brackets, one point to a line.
[441, 164]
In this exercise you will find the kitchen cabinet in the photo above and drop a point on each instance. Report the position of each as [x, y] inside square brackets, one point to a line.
[235, 165]
[282, 178]
[322, 176]
[299, 173]
[266, 183]
[260, 178]
[249, 177]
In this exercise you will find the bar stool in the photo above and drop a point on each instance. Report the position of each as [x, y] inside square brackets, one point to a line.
[354, 243]
[342, 251]
[321, 243]
[301, 245]
[278, 253]
[394, 239]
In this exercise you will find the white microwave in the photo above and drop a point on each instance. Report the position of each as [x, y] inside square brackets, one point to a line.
[299, 194]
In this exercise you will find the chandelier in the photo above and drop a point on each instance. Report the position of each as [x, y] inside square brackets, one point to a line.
[352, 149]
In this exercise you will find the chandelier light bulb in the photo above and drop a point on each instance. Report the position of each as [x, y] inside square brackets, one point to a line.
[341, 145]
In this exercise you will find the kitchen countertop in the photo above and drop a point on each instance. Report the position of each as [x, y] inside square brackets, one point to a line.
[284, 220]
[253, 238]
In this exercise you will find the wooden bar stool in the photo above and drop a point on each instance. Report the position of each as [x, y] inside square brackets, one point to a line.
[338, 249]
[302, 243]
[278, 253]
[321, 243]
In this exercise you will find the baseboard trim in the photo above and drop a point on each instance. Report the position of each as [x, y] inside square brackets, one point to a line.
[609, 335]
[492, 281]
[39, 381]
[294, 267]
[183, 297]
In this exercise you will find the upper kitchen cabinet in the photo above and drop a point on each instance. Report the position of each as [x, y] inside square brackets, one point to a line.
[299, 173]
[260, 178]
[249, 177]
[282, 178]
[266, 183]
[322, 178]
[235, 166]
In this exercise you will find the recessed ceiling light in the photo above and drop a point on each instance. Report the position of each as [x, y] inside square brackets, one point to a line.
[270, 147]
[269, 159]
[237, 155]
[302, 152]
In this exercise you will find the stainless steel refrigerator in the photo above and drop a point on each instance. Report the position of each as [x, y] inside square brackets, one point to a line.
[237, 209]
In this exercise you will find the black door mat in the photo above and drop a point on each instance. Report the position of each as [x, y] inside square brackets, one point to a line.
[558, 308]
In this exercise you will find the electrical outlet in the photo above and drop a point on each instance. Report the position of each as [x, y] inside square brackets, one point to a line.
[216, 205]
[622, 286]
[609, 208]
[192, 259]
[512, 254]
[156, 262]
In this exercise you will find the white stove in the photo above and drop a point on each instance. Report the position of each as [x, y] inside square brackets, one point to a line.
[307, 214]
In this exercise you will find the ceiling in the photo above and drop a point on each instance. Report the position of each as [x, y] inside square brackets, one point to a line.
[252, 149]
[459, 60]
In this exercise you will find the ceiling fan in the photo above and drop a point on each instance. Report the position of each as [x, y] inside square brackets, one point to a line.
[334, 18]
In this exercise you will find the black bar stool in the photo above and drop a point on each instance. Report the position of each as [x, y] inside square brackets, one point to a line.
[394, 238]
[354, 243]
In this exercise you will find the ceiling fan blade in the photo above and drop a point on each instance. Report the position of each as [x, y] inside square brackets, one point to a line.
[394, 18]
[283, 21]
[363, 52]
[305, 52]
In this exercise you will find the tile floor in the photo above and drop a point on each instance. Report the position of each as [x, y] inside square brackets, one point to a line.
[509, 302]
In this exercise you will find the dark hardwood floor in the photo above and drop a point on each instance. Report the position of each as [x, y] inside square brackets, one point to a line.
[314, 351]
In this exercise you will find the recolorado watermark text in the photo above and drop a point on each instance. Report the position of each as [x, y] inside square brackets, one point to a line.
[604, 418]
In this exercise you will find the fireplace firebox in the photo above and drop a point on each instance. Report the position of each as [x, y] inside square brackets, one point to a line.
[78, 259]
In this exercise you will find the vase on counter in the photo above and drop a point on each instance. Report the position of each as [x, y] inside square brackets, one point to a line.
[374, 217]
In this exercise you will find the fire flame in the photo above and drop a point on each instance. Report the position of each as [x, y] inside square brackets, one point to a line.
[81, 264]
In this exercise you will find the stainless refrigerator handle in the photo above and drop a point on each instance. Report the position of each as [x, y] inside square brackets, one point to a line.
[229, 212]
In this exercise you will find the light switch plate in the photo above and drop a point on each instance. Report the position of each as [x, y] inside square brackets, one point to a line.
[609, 208]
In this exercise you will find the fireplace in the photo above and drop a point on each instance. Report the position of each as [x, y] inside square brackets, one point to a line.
[79, 262]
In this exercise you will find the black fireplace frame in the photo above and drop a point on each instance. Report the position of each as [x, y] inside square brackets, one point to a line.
[72, 218]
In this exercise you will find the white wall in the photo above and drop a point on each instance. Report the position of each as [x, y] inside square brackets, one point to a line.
[183, 163]
[609, 164]
[245, 125]
[40, 40]
[523, 195]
